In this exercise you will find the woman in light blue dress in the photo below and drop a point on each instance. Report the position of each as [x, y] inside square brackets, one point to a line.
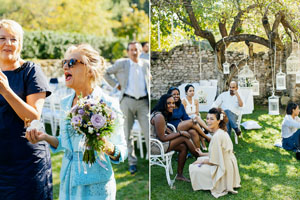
[83, 68]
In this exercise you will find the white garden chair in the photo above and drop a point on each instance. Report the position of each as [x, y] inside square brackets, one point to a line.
[163, 159]
[137, 135]
[51, 113]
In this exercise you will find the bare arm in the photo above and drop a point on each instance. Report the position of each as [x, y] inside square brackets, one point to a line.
[31, 109]
[159, 124]
[35, 136]
[240, 101]
[197, 107]
[184, 103]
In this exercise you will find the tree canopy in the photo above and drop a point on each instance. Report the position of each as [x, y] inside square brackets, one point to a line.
[223, 22]
[121, 18]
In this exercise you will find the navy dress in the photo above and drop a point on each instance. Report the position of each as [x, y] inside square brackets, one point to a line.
[178, 115]
[25, 168]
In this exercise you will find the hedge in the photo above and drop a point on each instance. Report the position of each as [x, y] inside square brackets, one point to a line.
[52, 45]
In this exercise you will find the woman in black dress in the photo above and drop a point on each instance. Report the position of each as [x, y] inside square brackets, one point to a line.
[25, 168]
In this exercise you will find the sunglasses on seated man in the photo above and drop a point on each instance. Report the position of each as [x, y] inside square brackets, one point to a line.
[71, 62]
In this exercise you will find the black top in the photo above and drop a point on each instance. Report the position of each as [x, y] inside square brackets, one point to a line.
[25, 168]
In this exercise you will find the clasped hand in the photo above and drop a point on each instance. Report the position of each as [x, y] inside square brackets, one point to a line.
[35, 136]
[185, 134]
[4, 85]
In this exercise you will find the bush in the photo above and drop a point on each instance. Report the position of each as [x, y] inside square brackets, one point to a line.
[52, 45]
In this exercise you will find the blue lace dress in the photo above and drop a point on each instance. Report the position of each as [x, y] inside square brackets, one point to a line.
[99, 182]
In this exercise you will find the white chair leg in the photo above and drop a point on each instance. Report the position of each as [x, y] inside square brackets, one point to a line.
[167, 169]
[170, 164]
[141, 145]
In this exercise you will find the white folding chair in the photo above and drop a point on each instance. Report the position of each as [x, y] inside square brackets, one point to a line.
[137, 135]
[51, 114]
[47, 114]
[162, 159]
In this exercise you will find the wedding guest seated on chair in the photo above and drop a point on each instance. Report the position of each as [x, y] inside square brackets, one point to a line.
[191, 106]
[218, 170]
[290, 131]
[183, 122]
[231, 102]
[179, 141]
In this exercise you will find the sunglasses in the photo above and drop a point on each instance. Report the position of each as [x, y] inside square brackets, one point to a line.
[71, 62]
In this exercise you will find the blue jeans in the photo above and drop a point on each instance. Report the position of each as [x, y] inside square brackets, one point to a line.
[232, 121]
[293, 142]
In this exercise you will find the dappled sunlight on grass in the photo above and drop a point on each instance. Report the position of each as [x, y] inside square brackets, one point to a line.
[262, 167]
[267, 172]
[128, 186]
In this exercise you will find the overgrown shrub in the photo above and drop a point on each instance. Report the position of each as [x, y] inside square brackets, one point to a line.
[52, 45]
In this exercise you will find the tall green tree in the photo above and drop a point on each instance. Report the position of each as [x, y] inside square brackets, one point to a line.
[94, 17]
[223, 22]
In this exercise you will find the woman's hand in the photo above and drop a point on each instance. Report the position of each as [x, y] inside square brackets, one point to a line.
[185, 134]
[35, 136]
[198, 162]
[108, 147]
[4, 85]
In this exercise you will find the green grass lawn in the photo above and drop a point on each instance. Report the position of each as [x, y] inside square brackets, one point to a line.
[267, 172]
[128, 186]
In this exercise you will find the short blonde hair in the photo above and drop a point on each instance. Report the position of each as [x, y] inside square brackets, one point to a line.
[14, 28]
[92, 59]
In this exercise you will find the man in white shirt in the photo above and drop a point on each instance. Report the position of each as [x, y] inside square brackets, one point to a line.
[145, 51]
[131, 77]
[231, 102]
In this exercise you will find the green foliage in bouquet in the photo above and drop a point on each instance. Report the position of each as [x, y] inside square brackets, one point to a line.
[94, 120]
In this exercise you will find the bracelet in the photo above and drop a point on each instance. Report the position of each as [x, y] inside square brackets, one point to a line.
[117, 151]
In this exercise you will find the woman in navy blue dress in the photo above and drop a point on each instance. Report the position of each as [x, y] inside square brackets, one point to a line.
[25, 168]
[183, 122]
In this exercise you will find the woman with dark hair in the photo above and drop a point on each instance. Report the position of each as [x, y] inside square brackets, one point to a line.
[218, 170]
[179, 141]
[290, 132]
[183, 122]
[191, 106]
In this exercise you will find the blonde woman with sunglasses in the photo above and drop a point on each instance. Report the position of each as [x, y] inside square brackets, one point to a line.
[83, 69]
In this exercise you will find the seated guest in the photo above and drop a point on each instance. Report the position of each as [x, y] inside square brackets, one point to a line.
[218, 170]
[290, 132]
[179, 141]
[191, 106]
[231, 102]
[183, 122]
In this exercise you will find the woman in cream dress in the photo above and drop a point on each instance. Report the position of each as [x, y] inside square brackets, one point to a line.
[218, 170]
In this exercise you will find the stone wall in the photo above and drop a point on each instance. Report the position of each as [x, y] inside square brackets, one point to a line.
[182, 65]
[51, 67]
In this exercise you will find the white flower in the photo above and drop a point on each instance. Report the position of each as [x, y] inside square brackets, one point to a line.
[36, 124]
[91, 130]
[221, 116]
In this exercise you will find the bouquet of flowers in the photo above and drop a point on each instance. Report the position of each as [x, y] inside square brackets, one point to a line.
[94, 120]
